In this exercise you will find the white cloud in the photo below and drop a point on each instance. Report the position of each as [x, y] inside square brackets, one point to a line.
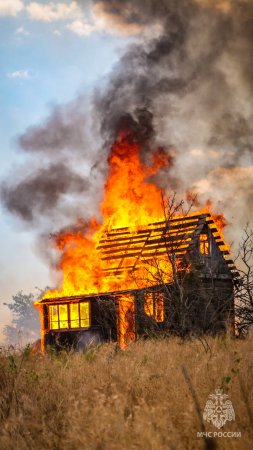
[20, 74]
[81, 28]
[71, 14]
[53, 11]
[21, 30]
[10, 7]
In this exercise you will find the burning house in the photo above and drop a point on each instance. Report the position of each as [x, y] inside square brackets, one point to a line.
[167, 120]
[148, 267]
[175, 263]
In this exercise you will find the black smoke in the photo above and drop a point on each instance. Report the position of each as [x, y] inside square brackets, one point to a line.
[64, 131]
[196, 79]
[57, 182]
[198, 70]
[193, 77]
[40, 192]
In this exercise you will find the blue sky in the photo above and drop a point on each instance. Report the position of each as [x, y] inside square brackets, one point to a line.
[49, 53]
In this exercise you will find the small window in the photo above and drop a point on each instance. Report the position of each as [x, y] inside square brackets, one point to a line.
[53, 316]
[204, 246]
[63, 316]
[84, 314]
[154, 306]
[74, 315]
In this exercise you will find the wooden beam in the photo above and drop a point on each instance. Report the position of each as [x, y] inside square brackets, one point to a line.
[163, 242]
[144, 254]
[108, 243]
[173, 228]
[188, 217]
[170, 246]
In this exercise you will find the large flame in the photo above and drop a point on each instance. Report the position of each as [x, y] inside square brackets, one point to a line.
[130, 200]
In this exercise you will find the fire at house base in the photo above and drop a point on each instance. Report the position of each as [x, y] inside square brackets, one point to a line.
[181, 281]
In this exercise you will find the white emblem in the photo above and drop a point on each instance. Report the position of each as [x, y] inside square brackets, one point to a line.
[218, 410]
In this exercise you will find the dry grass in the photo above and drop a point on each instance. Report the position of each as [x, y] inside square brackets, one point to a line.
[121, 400]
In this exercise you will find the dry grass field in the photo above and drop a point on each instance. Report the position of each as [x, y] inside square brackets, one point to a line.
[150, 396]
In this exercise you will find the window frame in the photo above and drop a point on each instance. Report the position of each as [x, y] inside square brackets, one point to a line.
[206, 244]
[68, 316]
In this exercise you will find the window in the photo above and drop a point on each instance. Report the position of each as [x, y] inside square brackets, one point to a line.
[63, 316]
[54, 317]
[204, 246]
[84, 314]
[154, 306]
[73, 315]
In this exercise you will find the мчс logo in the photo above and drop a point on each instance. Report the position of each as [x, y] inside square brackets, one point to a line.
[218, 409]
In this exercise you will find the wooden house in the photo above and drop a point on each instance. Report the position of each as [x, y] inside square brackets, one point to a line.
[196, 298]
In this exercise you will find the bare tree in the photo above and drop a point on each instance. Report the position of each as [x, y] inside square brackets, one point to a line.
[167, 275]
[196, 299]
[244, 287]
[178, 289]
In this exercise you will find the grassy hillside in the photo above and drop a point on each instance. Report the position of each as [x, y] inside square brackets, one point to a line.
[146, 397]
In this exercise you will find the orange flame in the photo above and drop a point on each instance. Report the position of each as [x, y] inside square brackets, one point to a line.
[130, 200]
[220, 223]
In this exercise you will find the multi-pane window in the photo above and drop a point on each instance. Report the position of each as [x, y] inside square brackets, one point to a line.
[154, 306]
[73, 315]
[204, 246]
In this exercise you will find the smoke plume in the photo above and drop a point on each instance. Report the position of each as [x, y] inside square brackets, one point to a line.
[63, 131]
[41, 192]
[194, 78]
